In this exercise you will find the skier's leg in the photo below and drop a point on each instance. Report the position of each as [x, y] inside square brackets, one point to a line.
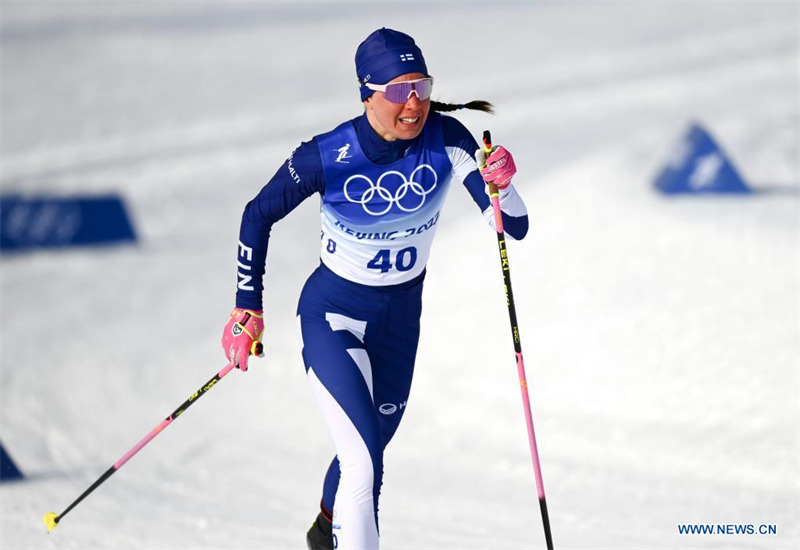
[339, 373]
[392, 346]
[391, 342]
[330, 484]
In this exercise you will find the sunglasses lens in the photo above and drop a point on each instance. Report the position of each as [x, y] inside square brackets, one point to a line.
[400, 92]
[424, 88]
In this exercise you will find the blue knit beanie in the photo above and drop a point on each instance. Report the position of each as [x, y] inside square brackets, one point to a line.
[386, 54]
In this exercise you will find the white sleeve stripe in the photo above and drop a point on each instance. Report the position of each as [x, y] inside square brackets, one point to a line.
[463, 162]
[488, 215]
[511, 203]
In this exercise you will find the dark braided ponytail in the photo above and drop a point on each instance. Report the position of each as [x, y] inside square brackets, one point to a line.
[477, 105]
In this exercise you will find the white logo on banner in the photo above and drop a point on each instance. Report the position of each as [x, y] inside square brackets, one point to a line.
[705, 171]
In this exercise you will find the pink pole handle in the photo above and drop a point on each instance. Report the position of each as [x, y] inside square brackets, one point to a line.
[494, 194]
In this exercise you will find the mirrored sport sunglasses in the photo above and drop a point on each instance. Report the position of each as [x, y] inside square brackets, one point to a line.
[400, 92]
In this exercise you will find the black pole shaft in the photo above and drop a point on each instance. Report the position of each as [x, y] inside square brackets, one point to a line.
[177, 412]
[512, 315]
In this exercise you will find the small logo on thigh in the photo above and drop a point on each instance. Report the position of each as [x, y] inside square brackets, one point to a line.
[391, 408]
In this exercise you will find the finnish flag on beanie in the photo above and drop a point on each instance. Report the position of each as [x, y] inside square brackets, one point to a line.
[386, 54]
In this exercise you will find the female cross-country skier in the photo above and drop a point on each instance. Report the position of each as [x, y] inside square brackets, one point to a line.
[382, 178]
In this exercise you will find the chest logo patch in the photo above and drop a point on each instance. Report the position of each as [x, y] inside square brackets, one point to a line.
[391, 189]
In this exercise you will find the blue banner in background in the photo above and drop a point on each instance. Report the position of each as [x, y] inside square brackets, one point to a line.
[8, 470]
[29, 223]
[699, 166]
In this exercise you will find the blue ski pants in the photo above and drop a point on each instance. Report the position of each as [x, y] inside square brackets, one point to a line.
[359, 346]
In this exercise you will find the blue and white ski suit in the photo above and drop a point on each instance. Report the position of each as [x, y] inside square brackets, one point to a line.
[359, 312]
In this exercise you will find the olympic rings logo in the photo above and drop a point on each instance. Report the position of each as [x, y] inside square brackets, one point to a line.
[377, 200]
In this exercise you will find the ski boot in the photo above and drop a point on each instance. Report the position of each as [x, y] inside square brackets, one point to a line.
[320, 536]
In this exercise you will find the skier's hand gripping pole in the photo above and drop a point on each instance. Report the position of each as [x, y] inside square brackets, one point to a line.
[241, 337]
[51, 519]
[494, 195]
[497, 165]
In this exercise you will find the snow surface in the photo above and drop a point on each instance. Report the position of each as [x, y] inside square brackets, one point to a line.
[661, 336]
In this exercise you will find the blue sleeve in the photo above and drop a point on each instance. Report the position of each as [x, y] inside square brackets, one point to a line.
[298, 178]
[458, 138]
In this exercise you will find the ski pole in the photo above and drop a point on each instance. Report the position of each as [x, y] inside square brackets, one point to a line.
[51, 519]
[494, 194]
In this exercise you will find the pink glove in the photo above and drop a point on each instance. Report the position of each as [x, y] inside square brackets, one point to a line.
[242, 336]
[498, 169]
